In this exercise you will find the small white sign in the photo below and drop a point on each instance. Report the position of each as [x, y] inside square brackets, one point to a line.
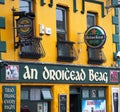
[48, 31]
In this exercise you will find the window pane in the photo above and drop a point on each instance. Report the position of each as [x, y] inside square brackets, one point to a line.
[61, 36]
[2, 22]
[101, 93]
[24, 95]
[60, 15]
[61, 23]
[2, 1]
[26, 5]
[35, 94]
[85, 93]
[91, 19]
[27, 49]
[93, 93]
[46, 94]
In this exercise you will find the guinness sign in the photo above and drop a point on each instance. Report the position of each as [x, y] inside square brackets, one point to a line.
[25, 27]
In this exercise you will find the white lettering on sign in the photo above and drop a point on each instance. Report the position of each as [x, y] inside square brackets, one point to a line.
[9, 102]
[9, 107]
[10, 90]
[98, 76]
[9, 95]
[9, 99]
[64, 74]
[30, 73]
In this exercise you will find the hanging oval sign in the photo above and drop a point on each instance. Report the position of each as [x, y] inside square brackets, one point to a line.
[95, 37]
[25, 27]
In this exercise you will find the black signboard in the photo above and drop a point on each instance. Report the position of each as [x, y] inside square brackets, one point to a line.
[56, 73]
[62, 103]
[9, 99]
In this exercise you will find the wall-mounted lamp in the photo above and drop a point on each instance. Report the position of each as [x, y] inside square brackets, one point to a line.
[112, 6]
[118, 55]
[3, 63]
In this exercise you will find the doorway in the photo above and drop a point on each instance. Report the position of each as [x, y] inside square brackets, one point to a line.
[74, 103]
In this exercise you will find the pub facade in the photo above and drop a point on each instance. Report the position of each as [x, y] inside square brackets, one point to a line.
[55, 87]
[59, 56]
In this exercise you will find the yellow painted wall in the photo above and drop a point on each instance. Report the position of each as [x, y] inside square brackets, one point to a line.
[76, 23]
[47, 16]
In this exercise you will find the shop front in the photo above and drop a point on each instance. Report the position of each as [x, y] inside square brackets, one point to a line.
[42, 87]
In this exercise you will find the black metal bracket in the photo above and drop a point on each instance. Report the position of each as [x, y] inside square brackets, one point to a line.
[51, 3]
[42, 3]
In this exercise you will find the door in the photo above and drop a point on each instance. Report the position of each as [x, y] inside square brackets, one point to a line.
[74, 103]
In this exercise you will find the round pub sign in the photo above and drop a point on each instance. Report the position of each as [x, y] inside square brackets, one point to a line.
[95, 37]
[25, 27]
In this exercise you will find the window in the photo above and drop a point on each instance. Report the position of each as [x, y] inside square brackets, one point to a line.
[35, 94]
[101, 93]
[2, 22]
[88, 92]
[36, 99]
[26, 5]
[85, 93]
[65, 48]
[46, 94]
[93, 93]
[2, 1]
[96, 56]
[91, 19]
[61, 23]
[24, 95]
